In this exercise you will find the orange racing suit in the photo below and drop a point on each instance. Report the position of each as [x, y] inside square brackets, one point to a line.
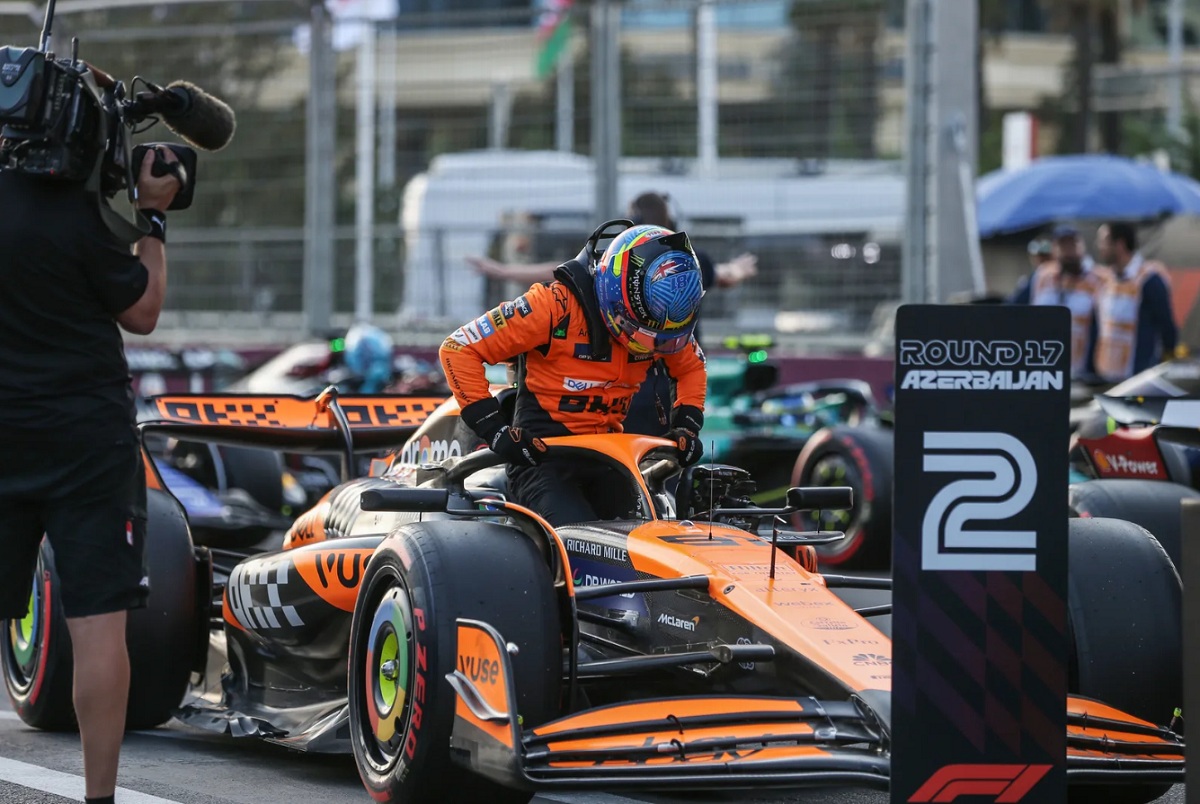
[572, 382]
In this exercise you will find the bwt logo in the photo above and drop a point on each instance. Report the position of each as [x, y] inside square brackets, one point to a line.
[1035, 354]
[1002, 484]
[1006, 784]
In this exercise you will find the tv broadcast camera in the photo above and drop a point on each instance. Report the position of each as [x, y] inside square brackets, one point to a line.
[64, 120]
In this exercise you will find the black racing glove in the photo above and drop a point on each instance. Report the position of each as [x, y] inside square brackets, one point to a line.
[686, 423]
[517, 446]
[510, 443]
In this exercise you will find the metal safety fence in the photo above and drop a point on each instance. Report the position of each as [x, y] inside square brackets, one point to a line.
[774, 126]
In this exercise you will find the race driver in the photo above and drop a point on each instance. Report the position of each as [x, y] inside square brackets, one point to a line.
[583, 344]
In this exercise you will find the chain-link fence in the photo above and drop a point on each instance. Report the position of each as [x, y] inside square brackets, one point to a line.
[473, 148]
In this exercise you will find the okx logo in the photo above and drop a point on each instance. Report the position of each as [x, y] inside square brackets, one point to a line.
[999, 483]
[1006, 784]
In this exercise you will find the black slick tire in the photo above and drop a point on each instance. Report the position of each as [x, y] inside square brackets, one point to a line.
[423, 578]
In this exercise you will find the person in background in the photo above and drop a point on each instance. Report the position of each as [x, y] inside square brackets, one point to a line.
[1069, 280]
[369, 357]
[1041, 251]
[647, 208]
[1135, 325]
[650, 408]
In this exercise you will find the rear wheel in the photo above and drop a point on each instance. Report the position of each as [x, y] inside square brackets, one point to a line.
[1124, 610]
[162, 636]
[1153, 504]
[403, 644]
[861, 458]
[36, 653]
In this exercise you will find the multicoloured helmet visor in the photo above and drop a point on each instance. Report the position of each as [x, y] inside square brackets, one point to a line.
[643, 340]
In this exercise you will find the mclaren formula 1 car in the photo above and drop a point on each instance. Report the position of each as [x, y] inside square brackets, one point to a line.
[463, 650]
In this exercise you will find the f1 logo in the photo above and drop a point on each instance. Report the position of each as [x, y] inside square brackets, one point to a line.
[1007, 784]
[1005, 478]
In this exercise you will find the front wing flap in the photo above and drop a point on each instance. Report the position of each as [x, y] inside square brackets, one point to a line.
[672, 743]
[1105, 745]
[737, 741]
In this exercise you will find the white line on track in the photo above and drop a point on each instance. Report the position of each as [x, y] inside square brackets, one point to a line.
[588, 798]
[7, 715]
[66, 785]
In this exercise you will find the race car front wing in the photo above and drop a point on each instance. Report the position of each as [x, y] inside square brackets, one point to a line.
[737, 741]
[676, 743]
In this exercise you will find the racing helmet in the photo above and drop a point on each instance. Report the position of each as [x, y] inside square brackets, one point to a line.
[649, 286]
[369, 355]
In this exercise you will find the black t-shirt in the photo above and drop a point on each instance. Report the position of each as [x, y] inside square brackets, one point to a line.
[63, 279]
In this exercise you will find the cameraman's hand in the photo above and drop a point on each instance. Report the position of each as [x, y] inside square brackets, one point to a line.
[156, 192]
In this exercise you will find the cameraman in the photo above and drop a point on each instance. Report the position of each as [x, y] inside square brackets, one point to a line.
[70, 465]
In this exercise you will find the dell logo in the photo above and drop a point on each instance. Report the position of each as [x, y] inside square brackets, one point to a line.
[1000, 483]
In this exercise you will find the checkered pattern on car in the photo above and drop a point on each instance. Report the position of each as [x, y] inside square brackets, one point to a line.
[253, 594]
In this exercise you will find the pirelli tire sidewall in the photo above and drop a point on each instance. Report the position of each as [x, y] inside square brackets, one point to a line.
[868, 453]
[41, 693]
[450, 569]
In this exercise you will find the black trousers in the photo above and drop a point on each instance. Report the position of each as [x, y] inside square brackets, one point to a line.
[570, 491]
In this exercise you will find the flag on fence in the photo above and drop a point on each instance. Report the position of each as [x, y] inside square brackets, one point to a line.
[554, 34]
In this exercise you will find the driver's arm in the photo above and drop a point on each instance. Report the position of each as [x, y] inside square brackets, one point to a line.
[687, 368]
[500, 334]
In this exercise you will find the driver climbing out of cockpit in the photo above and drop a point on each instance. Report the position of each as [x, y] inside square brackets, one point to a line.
[641, 295]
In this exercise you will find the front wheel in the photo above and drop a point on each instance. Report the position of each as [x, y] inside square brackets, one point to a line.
[859, 457]
[421, 580]
[1124, 614]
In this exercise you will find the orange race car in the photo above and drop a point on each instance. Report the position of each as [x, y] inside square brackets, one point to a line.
[465, 651]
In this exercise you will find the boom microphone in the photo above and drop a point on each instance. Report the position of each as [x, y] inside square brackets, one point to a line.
[201, 119]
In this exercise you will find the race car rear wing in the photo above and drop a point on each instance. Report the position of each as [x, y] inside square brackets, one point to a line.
[330, 422]
[1177, 420]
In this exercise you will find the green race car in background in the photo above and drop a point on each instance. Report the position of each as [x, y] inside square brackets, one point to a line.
[752, 423]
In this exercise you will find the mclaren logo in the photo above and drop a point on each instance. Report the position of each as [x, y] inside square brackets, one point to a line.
[678, 622]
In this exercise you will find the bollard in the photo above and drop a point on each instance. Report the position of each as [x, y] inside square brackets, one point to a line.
[1190, 573]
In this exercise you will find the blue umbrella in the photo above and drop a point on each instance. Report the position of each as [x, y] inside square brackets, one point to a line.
[1081, 187]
